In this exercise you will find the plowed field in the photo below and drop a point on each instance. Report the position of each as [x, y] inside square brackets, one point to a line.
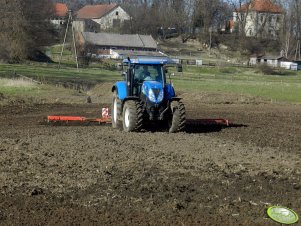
[89, 174]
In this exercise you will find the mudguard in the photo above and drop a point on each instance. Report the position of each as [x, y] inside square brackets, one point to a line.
[121, 89]
[169, 92]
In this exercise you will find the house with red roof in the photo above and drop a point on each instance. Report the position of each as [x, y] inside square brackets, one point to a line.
[96, 18]
[259, 18]
[60, 13]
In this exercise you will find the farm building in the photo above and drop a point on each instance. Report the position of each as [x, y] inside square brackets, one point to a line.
[60, 15]
[118, 45]
[298, 62]
[122, 54]
[96, 18]
[273, 62]
[269, 60]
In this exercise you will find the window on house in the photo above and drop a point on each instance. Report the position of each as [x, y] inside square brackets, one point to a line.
[116, 13]
[270, 19]
[242, 17]
[261, 18]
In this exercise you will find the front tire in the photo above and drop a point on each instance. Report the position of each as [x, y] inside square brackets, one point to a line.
[178, 121]
[132, 116]
[115, 111]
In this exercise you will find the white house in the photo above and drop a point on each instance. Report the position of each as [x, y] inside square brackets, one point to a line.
[259, 18]
[96, 18]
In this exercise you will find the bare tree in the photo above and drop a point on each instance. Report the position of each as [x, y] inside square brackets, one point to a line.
[25, 27]
[208, 17]
[292, 31]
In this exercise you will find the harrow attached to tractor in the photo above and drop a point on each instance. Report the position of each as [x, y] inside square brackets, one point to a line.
[60, 118]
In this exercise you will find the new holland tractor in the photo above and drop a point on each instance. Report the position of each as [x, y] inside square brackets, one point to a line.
[145, 96]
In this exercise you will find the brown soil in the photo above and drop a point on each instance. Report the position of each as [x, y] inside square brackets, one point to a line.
[209, 175]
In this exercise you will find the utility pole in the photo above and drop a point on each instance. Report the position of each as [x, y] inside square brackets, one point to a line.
[70, 21]
[210, 39]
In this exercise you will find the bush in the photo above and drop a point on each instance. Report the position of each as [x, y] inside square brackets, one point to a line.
[109, 65]
[228, 70]
[250, 45]
[84, 59]
[267, 70]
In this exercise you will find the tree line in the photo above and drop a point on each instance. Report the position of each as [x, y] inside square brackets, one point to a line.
[25, 27]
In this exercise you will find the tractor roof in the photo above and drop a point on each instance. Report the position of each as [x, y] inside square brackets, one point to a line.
[148, 60]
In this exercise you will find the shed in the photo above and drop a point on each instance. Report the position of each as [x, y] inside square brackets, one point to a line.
[268, 60]
[117, 44]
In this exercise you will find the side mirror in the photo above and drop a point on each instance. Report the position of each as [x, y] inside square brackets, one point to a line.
[165, 69]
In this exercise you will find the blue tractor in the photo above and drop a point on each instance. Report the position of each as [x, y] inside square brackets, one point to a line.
[146, 96]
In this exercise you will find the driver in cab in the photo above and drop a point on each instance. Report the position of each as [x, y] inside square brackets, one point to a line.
[145, 74]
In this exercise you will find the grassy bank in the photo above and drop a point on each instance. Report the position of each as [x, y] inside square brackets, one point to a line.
[244, 81]
[51, 73]
[284, 87]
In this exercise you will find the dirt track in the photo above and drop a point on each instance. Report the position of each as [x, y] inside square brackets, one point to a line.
[89, 174]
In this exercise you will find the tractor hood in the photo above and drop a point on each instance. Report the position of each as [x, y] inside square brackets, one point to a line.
[153, 91]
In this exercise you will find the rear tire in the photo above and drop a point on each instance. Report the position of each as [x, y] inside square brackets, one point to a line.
[115, 111]
[132, 116]
[178, 121]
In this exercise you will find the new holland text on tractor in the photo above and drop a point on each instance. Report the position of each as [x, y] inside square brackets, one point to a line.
[146, 95]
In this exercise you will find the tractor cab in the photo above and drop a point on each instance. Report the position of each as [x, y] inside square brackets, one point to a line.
[145, 74]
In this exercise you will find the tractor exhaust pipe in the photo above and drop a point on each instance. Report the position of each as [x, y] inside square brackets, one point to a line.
[129, 79]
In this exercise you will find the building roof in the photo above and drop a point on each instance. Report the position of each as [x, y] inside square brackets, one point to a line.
[95, 11]
[148, 60]
[137, 53]
[60, 9]
[261, 6]
[272, 57]
[124, 40]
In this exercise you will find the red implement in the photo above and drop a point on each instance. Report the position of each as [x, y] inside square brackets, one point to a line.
[55, 118]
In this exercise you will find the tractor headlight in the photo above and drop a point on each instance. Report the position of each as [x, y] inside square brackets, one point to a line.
[160, 96]
[151, 96]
